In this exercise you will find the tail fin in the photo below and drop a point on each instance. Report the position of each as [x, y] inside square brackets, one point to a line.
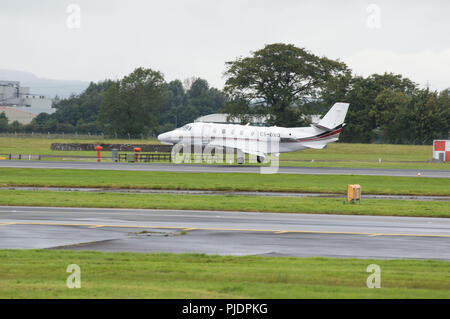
[335, 116]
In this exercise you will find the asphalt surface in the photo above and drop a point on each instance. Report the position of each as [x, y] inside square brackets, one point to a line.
[220, 193]
[227, 233]
[197, 168]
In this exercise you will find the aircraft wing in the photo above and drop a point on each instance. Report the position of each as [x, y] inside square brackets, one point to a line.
[315, 145]
[248, 147]
[318, 145]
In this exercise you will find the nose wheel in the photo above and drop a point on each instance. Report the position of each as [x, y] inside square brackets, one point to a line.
[260, 159]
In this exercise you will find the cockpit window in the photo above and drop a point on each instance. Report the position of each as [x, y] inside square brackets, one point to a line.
[186, 128]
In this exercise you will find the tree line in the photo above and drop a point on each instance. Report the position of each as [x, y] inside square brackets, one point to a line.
[286, 83]
[141, 104]
[281, 81]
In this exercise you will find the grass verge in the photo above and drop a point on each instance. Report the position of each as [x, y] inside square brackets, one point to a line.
[42, 274]
[335, 155]
[226, 203]
[367, 164]
[223, 181]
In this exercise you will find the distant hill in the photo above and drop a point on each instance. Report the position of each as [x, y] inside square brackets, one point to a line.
[43, 86]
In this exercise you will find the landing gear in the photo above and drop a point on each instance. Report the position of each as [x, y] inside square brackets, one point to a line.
[260, 159]
[240, 158]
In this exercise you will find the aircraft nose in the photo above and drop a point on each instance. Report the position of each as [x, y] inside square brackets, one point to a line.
[162, 137]
[165, 138]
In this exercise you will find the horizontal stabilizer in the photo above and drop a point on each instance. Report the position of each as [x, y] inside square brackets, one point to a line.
[320, 127]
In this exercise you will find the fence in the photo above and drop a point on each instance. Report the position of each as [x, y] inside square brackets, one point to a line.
[54, 135]
[43, 157]
[152, 157]
[149, 148]
[145, 157]
[76, 136]
[21, 156]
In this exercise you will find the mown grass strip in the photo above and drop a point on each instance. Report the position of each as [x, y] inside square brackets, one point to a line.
[226, 203]
[223, 181]
[367, 164]
[42, 274]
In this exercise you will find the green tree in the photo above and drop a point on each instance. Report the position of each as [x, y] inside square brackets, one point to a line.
[277, 80]
[83, 107]
[361, 93]
[443, 101]
[184, 106]
[15, 126]
[202, 100]
[176, 101]
[390, 111]
[3, 122]
[132, 105]
[428, 117]
[51, 125]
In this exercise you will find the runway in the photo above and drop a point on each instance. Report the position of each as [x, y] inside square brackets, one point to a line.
[224, 233]
[197, 168]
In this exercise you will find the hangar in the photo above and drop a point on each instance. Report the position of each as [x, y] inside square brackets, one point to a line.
[17, 114]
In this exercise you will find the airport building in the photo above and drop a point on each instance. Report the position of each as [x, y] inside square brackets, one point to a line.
[17, 114]
[18, 98]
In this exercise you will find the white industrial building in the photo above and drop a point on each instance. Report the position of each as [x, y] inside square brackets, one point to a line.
[16, 114]
[14, 96]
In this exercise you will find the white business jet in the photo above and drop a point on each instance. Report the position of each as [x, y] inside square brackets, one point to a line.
[260, 141]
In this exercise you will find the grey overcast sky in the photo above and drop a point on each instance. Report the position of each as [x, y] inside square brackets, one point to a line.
[186, 38]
